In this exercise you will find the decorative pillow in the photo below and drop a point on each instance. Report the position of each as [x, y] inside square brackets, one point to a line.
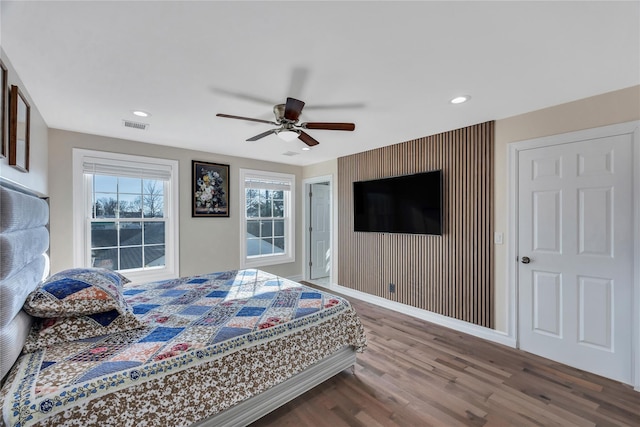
[78, 292]
[48, 332]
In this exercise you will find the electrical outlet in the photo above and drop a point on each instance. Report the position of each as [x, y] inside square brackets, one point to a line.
[392, 287]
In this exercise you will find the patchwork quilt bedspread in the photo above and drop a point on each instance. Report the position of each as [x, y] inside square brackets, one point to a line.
[196, 327]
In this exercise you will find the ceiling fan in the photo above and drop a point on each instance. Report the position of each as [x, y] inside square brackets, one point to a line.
[287, 116]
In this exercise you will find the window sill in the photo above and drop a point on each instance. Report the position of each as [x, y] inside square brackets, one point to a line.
[141, 276]
[266, 260]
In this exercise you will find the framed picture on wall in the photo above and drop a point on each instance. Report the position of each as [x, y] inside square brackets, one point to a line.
[4, 109]
[210, 184]
[19, 123]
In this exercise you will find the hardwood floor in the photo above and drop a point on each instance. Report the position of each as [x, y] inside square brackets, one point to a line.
[414, 373]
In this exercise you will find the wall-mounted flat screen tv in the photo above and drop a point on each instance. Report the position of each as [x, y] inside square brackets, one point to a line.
[401, 204]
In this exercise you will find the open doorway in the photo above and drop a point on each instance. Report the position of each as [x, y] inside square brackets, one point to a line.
[318, 227]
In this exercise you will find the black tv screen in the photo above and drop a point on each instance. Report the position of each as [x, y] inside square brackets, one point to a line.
[402, 204]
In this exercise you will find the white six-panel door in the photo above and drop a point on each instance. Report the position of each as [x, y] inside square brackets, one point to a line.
[575, 249]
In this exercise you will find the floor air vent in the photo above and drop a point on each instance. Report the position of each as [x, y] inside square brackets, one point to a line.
[135, 125]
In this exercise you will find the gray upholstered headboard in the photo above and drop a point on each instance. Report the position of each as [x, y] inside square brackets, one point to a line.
[24, 242]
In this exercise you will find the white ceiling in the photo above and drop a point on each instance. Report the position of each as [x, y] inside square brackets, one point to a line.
[389, 67]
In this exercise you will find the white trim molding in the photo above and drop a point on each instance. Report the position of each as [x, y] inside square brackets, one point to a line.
[306, 184]
[280, 182]
[636, 258]
[429, 316]
[81, 194]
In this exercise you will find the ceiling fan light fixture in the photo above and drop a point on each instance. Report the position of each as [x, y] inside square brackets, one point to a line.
[288, 135]
[287, 116]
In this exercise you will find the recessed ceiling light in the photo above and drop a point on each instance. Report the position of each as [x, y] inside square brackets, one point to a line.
[141, 113]
[306, 149]
[460, 99]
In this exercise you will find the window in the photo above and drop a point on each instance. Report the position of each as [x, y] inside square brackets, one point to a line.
[126, 215]
[267, 204]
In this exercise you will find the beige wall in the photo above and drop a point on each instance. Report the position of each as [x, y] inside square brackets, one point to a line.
[606, 109]
[206, 244]
[36, 178]
[328, 168]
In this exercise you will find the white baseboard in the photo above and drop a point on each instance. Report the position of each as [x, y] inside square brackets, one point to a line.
[449, 322]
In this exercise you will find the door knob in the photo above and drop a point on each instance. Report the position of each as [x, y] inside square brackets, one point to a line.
[526, 260]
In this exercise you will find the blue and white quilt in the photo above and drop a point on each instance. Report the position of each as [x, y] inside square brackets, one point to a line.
[189, 322]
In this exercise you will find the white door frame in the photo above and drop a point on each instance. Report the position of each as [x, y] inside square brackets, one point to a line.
[512, 243]
[306, 224]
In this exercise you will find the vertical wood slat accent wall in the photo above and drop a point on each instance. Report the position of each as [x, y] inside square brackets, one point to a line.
[449, 274]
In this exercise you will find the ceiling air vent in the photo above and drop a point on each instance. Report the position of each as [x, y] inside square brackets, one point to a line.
[135, 125]
[290, 153]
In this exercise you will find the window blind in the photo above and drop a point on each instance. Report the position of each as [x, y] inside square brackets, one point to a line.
[267, 183]
[100, 166]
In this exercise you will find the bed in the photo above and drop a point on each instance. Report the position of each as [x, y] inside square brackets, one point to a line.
[219, 349]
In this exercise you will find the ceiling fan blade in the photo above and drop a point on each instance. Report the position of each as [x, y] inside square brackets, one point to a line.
[262, 135]
[229, 116]
[292, 109]
[307, 139]
[299, 76]
[349, 105]
[329, 126]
